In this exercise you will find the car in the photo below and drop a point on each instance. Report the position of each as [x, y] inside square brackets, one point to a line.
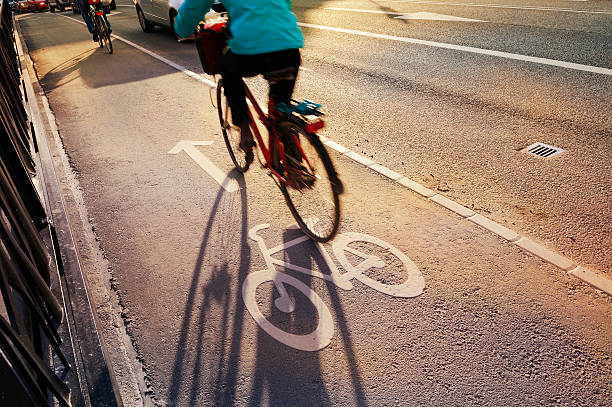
[58, 5]
[76, 10]
[22, 6]
[38, 5]
[153, 13]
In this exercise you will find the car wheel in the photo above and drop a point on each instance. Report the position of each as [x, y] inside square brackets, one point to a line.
[52, 9]
[145, 24]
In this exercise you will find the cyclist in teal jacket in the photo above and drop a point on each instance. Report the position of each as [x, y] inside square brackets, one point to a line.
[265, 39]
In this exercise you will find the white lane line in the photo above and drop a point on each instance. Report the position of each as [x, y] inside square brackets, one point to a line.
[421, 15]
[501, 54]
[158, 57]
[504, 6]
[528, 245]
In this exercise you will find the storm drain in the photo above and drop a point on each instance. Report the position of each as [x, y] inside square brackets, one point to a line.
[543, 150]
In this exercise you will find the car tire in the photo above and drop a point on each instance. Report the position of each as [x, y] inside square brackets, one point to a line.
[52, 9]
[62, 8]
[145, 24]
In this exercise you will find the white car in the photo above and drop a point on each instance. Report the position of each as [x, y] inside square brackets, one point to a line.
[157, 12]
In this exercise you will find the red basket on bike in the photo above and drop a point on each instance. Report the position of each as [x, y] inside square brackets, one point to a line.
[210, 41]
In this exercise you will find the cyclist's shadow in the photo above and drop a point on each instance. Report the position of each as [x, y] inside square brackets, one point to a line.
[295, 377]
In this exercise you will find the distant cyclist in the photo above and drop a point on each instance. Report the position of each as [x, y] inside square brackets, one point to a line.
[265, 39]
[84, 7]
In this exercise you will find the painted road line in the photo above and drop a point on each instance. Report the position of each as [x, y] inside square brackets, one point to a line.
[189, 146]
[503, 6]
[361, 159]
[495, 227]
[452, 205]
[542, 252]
[499, 230]
[156, 56]
[416, 187]
[386, 172]
[592, 278]
[500, 54]
[333, 145]
[421, 15]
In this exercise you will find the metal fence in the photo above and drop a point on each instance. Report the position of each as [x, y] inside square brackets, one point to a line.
[29, 312]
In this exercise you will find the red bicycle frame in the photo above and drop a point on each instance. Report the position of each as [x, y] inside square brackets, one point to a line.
[268, 122]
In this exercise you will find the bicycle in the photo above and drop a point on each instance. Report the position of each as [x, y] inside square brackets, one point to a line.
[358, 246]
[296, 159]
[294, 156]
[98, 17]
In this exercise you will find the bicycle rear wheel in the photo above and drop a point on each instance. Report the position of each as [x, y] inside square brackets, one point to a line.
[316, 204]
[231, 133]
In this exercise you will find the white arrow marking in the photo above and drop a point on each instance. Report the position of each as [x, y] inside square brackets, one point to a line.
[189, 146]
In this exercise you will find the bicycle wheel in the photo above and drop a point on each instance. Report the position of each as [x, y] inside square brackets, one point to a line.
[231, 133]
[316, 340]
[105, 36]
[316, 204]
[98, 24]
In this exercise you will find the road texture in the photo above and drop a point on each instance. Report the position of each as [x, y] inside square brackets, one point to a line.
[494, 324]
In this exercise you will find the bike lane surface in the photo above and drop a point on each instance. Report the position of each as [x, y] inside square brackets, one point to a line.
[493, 325]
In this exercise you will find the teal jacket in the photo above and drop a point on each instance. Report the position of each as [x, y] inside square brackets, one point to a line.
[257, 26]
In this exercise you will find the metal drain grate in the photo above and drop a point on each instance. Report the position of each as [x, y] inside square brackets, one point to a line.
[543, 150]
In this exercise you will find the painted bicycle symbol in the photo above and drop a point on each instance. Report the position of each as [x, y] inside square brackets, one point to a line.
[343, 244]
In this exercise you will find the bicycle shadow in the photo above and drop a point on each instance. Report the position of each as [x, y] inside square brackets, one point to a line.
[215, 292]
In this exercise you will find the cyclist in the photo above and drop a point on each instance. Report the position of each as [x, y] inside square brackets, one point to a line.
[84, 7]
[265, 39]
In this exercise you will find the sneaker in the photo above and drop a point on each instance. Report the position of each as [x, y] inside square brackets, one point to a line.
[95, 37]
[246, 142]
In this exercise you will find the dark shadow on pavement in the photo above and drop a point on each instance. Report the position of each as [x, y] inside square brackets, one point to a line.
[217, 290]
[286, 376]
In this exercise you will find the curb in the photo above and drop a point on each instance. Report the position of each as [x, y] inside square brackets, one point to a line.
[96, 379]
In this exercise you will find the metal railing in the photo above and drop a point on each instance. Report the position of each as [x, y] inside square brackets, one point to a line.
[29, 312]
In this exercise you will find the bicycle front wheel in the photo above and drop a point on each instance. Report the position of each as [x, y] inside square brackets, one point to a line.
[315, 204]
[231, 133]
[105, 36]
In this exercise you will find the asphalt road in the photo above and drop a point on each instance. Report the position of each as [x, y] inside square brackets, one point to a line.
[494, 325]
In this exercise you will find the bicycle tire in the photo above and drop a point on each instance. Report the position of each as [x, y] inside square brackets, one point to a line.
[231, 134]
[316, 208]
[105, 36]
[96, 20]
